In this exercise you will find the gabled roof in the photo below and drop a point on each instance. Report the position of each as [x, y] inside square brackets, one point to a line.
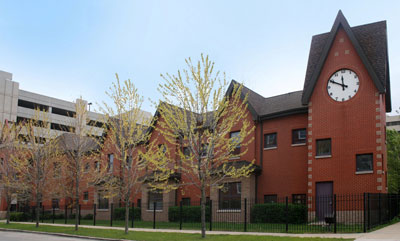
[276, 106]
[370, 43]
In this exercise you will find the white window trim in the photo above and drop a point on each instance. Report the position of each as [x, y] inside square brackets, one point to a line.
[270, 148]
[157, 210]
[234, 158]
[299, 144]
[323, 156]
[364, 172]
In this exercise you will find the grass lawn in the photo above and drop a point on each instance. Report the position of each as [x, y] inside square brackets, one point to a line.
[149, 236]
[225, 226]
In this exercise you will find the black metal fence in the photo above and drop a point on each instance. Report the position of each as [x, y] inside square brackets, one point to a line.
[337, 213]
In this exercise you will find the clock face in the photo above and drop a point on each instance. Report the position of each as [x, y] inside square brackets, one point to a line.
[343, 85]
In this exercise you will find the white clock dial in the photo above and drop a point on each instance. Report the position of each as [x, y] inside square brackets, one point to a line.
[343, 85]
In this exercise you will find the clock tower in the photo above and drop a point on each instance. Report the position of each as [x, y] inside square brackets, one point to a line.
[347, 93]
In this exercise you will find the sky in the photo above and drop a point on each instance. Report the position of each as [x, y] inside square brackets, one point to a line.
[68, 49]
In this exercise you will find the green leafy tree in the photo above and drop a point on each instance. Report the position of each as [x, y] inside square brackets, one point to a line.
[198, 112]
[393, 155]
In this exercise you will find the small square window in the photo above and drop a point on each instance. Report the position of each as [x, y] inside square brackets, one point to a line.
[299, 136]
[186, 201]
[299, 198]
[270, 140]
[364, 162]
[324, 147]
[186, 151]
[270, 198]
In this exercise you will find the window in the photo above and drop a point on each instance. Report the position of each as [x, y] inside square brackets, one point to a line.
[86, 196]
[139, 203]
[203, 151]
[230, 196]
[270, 140]
[299, 136]
[364, 162]
[97, 166]
[103, 201]
[299, 198]
[235, 139]
[110, 162]
[1, 161]
[163, 148]
[186, 151]
[129, 162]
[270, 198]
[186, 201]
[55, 203]
[393, 123]
[87, 167]
[157, 198]
[324, 147]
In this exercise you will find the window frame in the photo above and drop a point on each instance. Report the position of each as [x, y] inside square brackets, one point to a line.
[86, 196]
[372, 163]
[229, 200]
[321, 155]
[110, 166]
[100, 199]
[270, 198]
[236, 151]
[299, 140]
[158, 200]
[270, 146]
[299, 198]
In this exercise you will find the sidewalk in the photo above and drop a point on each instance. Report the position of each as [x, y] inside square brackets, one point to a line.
[389, 233]
[307, 235]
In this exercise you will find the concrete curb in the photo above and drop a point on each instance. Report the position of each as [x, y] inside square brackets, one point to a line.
[60, 234]
[304, 235]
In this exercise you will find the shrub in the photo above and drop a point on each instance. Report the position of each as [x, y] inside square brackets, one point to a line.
[72, 216]
[20, 216]
[88, 216]
[276, 213]
[119, 213]
[189, 214]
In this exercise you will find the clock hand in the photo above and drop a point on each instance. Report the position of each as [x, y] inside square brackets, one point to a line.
[342, 83]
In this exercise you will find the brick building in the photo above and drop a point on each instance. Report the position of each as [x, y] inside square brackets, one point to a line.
[327, 138]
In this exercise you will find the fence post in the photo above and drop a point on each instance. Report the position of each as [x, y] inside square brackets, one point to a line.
[369, 212]
[334, 212]
[65, 214]
[287, 214]
[42, 213]
[53, 214]
[211, 211]
[245, 214]
[379, 208]
[365, 212]
[133, 212]
[79, 215]
[180, 215]
[154, 215]
[111, 214]
[94, 214]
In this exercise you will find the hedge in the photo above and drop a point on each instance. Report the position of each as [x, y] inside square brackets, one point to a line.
[189, 214]
[276, 213]
[119, 213]
[19, 216]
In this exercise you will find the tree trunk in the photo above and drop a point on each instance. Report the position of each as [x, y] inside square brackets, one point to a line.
[37, 210]
[126, 214]
[76, 203]
[203, 211]
[8, 209]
